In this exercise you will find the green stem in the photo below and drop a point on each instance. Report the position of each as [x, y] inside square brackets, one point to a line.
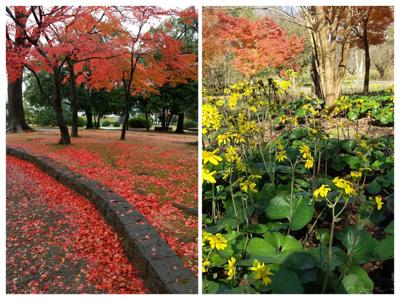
[233, 201]
[291, 192]
[329, 249]
[214, 217]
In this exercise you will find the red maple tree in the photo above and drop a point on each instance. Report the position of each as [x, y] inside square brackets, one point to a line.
[147, 57]
[255, 44]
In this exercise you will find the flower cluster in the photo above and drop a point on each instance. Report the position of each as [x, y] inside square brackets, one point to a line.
[346, 186]
[306, 155]
[261, 272]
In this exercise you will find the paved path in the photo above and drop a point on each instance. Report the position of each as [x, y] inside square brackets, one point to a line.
[57, 242]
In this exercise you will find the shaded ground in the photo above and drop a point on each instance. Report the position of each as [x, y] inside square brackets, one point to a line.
[57, 242]
[153, 171]
[363, 126]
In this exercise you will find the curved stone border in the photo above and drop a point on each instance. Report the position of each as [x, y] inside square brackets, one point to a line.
[161, 269]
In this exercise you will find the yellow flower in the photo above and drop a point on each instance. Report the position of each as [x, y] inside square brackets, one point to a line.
[305, 151]
[283, 119]
[281, 156]
[231, 268]
[205, 236]
[231, 154]
[240, 166]
[279, 145]
[233, 100]
[312, 130]
[222, 139]
[211, 157]
[218, 241]
[295, 121]
[208, 176]
[322, 191]
[248, 185]
[226, 173]
[261, 271]
[379, 203]
[355, 174]
[309, 163]
[211, 118]
[347, 186]
[204, 265]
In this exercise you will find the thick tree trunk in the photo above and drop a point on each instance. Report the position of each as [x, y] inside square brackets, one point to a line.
[367, 60]
[179, 126]
[74, 100]
[65, 138]
[331, 63]
[16, 114]
[89, 120]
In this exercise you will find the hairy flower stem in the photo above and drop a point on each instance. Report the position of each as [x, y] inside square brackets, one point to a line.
[271, 176]
[335, 218]
[233, 201]
[291, 192]
[213, 207]
[330, 248]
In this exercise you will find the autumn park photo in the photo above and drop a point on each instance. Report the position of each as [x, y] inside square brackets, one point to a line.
[298, 150]
[101, 166]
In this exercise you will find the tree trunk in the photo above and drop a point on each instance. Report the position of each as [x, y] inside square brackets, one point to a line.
[126, 119]
[179, 126]
[97, 121]
[367, 59]
[74, 100]
[16, 114]
[89, 120]
[65, 139]
[331, 63]
[381, 70]
[315, 76]
[163, 119]
[168, 121]
[146, 115]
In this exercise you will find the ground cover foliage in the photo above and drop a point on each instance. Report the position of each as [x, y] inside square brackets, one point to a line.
[296, 198]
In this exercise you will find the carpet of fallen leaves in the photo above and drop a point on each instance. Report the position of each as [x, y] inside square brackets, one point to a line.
[57, 242]
[153, 171]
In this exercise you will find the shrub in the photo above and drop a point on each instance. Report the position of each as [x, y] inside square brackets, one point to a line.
[139, 122]
[81, 122]
[116, 124]
[189, 124]
[105, 123]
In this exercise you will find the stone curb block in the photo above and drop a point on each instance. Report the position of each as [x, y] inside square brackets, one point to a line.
[161, 269]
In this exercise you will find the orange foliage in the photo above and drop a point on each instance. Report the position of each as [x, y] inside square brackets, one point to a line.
[255, 45]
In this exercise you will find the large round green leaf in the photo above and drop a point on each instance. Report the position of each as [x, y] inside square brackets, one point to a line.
[356, 281]
[360, 244]
[298, 211]
[384, 249]
[374, 187]
[286, 281]
[283, 243]
[354, 162]
[259, 248]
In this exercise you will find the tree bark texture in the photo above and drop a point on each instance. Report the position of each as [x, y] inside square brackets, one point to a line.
[16, 114]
